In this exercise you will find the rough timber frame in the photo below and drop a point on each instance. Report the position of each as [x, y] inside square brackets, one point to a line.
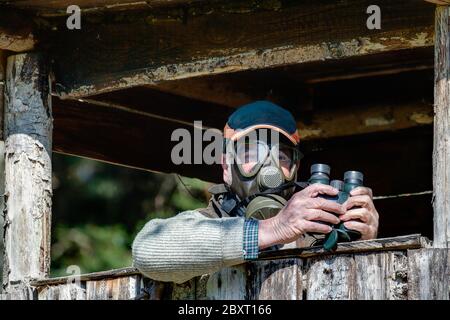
[118, 51]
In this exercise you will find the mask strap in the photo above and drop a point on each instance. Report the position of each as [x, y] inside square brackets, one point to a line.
[297, 184]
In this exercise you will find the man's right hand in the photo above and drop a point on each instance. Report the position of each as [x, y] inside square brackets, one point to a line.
[299, 216]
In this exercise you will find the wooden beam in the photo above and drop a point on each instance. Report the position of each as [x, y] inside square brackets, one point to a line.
[101, 275]
[439, 2]
[376, 118]
[55, 8]
[28, 174]
[2, 88]
[441, 152]
[291, 84]
[16, 31]
[222, 37]
[414, 241]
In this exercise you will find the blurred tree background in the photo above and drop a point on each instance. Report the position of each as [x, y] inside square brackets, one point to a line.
[98, 208]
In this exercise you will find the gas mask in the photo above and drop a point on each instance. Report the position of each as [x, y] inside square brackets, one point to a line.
[263, 175]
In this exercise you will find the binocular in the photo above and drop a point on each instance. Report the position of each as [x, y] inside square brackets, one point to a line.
[320, 173]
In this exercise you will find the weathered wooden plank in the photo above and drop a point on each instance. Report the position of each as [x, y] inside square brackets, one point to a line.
[28, 188]
[287, 83]
[441, 151]
[16, 31]
[184, 291]
[69, 291]
[275, 280]
[108, 274]
[52, 8]
[381, 276]
[338, 123]
[440, 2]
[122, 288]
[331, 278]
[152, 290]
[97, 290]
[227, 37]
[429, 274]
[226, 284]
[118, 284]
[371, 276]
[2, 88]
[19, 292]
[396, 243]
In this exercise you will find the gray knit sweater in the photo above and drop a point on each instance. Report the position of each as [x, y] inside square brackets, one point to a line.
[188, 245]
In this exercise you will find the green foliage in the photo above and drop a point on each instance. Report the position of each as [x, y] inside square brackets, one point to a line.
[98, 208]
[91, 247]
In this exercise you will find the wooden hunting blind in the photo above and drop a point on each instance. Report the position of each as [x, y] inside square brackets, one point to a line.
[373, 100]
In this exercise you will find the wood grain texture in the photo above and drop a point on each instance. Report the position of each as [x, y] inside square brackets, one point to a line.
[226, 37]
[16, 31]
[227, 284]
[118, 284]
[122, 272]
[2, 88]
[70, 291]
[375, 276]
[383, 244]
[19, 292]
[381, 276]
[122, 288]
[287, 83]
[52, 8]
[441, 150]
[439, 2]
[28, 170]
[429, 274]
[396, 274]
[184, 291]
[331, 278]
[275, 280]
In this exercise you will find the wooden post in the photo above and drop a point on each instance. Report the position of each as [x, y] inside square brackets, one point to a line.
[28, 190]
[2, 88]
[441, 152]
[2, 145]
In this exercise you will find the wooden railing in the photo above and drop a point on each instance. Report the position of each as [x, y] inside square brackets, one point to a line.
[397, 268]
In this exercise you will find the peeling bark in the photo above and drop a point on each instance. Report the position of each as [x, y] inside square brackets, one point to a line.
[28, 189]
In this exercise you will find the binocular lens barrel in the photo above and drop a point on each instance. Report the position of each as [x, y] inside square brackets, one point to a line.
[320, 173]
[320, 168]
[354, 177]
[338, 184]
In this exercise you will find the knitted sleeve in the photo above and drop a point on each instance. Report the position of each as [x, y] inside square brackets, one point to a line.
[188, 245]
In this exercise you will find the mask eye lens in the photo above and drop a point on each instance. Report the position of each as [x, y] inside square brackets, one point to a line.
[288, 157]
[285, 157]
[250, 155]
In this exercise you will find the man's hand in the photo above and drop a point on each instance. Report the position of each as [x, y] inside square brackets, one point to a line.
[299, 215]
[361, 214]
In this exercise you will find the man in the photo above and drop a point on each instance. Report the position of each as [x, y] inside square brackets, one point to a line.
[203, 241]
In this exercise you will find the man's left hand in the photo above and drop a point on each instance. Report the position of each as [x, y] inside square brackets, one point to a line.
[361, 214]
